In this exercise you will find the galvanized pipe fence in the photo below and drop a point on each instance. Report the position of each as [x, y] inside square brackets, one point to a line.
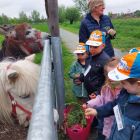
[42, 125]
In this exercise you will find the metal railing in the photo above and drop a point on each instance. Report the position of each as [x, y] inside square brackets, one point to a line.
[42, 123]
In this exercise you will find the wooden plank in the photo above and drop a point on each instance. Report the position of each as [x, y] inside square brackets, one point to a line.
[53, 19]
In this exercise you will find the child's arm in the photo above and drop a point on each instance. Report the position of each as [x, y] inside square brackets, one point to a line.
[103, 111]
[98, 101]
[72, 72]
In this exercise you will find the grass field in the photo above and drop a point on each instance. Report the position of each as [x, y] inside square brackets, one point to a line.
[68, 58]
[1, 38]
[128, 32]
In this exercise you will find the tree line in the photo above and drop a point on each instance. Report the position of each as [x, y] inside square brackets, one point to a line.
[35, 17]
[72, 14]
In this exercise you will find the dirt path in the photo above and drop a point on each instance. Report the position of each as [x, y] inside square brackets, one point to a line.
[72, 39]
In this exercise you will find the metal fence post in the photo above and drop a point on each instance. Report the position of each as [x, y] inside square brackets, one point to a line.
[42, 123]
[59, 76]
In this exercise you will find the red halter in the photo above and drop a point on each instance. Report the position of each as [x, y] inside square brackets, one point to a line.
[15, 104]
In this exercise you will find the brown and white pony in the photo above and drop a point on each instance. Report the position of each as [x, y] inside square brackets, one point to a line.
[21, 40]
[18, 86]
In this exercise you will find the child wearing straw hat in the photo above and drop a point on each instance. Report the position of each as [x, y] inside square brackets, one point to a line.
[76, 69]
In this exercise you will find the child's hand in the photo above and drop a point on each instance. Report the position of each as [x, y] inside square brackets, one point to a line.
[84, 106]
[90, 111]
[77, 75]
[92, 96]
[77, 81]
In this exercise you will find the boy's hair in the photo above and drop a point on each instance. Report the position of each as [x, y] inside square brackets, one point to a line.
[133, 80]
[112, 63]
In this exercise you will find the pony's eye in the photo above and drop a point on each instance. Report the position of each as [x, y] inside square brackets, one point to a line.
[28, 32]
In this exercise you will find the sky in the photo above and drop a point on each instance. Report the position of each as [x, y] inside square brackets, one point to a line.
[11, 8]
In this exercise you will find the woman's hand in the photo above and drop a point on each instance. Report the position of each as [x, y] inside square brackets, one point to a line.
[111, 32]
[90, 112]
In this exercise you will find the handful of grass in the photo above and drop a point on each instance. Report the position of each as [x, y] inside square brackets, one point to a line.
[76, 115]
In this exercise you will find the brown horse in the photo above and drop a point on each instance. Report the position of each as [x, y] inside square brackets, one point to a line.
[21, 40]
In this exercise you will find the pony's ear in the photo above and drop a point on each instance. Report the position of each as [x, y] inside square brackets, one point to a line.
[30, 57]
[12, 74]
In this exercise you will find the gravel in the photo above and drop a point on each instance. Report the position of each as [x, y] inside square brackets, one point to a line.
[12, 132]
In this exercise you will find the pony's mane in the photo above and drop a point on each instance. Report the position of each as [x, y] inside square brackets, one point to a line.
[28, 74]
[5, 103]
[24, 85]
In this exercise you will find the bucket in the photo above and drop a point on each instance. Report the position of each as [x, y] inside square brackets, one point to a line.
[77, 131]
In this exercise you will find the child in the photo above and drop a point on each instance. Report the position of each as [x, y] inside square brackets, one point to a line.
[95, 78]
[126, 107]
[109, 92]
[77, 68]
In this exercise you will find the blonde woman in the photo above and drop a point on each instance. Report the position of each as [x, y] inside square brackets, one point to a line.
[94, 20]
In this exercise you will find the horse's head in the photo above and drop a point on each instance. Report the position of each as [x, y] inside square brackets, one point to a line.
[20, 79]
[22, 40]
[15, 31]
[21, 76]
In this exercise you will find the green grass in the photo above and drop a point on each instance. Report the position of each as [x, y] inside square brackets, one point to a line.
[68, 58]
[1, 38]
[128, 32]
[38, 58]
[41, 26]
[71, 27]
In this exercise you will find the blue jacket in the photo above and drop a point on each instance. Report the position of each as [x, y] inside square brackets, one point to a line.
[78, 90]
[95, 78]
[130, 108]
[89, 24]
